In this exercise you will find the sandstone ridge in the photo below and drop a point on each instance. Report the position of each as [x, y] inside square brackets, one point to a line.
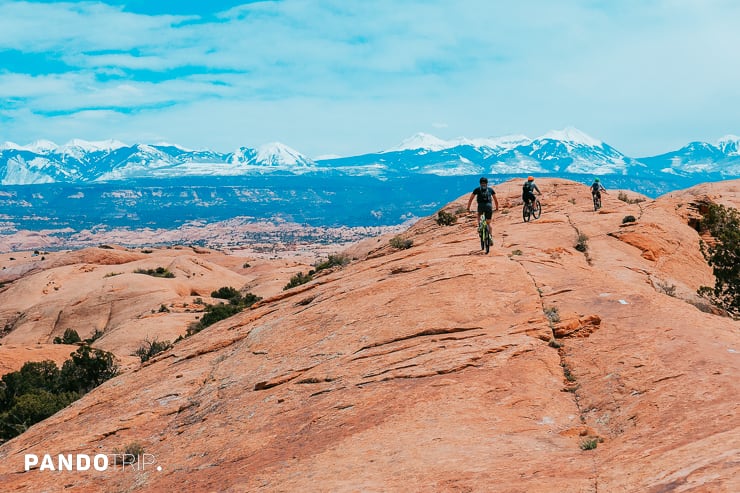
[437, 368]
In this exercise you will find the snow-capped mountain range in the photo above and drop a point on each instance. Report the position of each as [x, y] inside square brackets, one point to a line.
[557, 152]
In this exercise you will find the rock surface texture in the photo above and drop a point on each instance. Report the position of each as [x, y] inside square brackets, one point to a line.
[440, 368]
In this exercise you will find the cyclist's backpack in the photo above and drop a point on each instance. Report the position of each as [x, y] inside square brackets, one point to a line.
[527, 187]
[595, 188]
[485, 196]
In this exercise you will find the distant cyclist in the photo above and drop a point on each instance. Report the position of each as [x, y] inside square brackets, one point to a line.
[596, 189]
[528, 190]
[486, 198]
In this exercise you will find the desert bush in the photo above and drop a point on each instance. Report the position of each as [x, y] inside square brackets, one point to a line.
[445, 218]
[624, 198]
[215, 313]
[333, 260]
[70, 337]
[158, 272]
[297, 280]
[87, 368]
[723, 223]
[400, 243]
[552, 314]
[40, 389]
[516, 252]
[129, 455]
[628, 219]
[582, 243]
[150, 348]
[94, 337]
[589, 443]
[666, 288]
[226, 293]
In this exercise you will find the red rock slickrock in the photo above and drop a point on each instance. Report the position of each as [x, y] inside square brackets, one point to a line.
[433, 369]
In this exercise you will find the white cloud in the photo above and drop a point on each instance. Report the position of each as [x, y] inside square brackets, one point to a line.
[344, 77]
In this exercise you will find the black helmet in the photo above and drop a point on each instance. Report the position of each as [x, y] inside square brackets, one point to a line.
[483, 179]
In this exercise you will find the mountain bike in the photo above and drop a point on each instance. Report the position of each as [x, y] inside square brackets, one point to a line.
[597, 202]
[485, 237]
[531, 209]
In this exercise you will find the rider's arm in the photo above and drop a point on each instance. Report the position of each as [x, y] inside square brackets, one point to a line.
[470, 200]
[495, 201]
[537, 188]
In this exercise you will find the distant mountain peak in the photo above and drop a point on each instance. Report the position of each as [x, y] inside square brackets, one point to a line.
[421, 141]
[277, 153]
[42, 146]
[729, 138]
[572, 135]
[93, 146]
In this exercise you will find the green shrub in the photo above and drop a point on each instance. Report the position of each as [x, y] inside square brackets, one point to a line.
[158, 272]
[723, 223]
[150, 348]
[624, 198]
[589, 443]
[39, 389]
[297, 280]
[70, 337]
[446, 219]
[400, 243]
[226, 293]
[333, 260]
[87, 369]
[95, 336]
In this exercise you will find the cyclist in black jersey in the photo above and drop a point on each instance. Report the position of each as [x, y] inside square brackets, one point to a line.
[486, 198]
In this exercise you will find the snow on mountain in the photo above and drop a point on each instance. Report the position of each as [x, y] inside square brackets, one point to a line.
[42, 147]
[277, 154]
[504, 142]
[572, 135]
[21, 172]
[559, 151]
[92, 146]
[700, 157]
[422, 142]
[729, 145]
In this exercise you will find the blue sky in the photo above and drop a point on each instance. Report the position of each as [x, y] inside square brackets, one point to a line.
[348, 77]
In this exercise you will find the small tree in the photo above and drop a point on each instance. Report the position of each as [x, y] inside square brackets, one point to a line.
[723, 223]
[87, 369]
[150, 348]
[70, 337]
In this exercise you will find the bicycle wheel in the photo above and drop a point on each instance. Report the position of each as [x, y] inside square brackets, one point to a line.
[526, 213]
[597, 203]
[537, 210]
[489, 242]
[482, 234]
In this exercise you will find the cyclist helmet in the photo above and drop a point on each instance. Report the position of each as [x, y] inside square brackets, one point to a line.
[530, 178]
[596, 180]
[483, 179]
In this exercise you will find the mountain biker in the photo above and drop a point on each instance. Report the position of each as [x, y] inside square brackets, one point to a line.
[528, 190]
[486, 198]
[596, 189]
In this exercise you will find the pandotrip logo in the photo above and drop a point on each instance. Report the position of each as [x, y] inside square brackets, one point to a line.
[114, 462]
